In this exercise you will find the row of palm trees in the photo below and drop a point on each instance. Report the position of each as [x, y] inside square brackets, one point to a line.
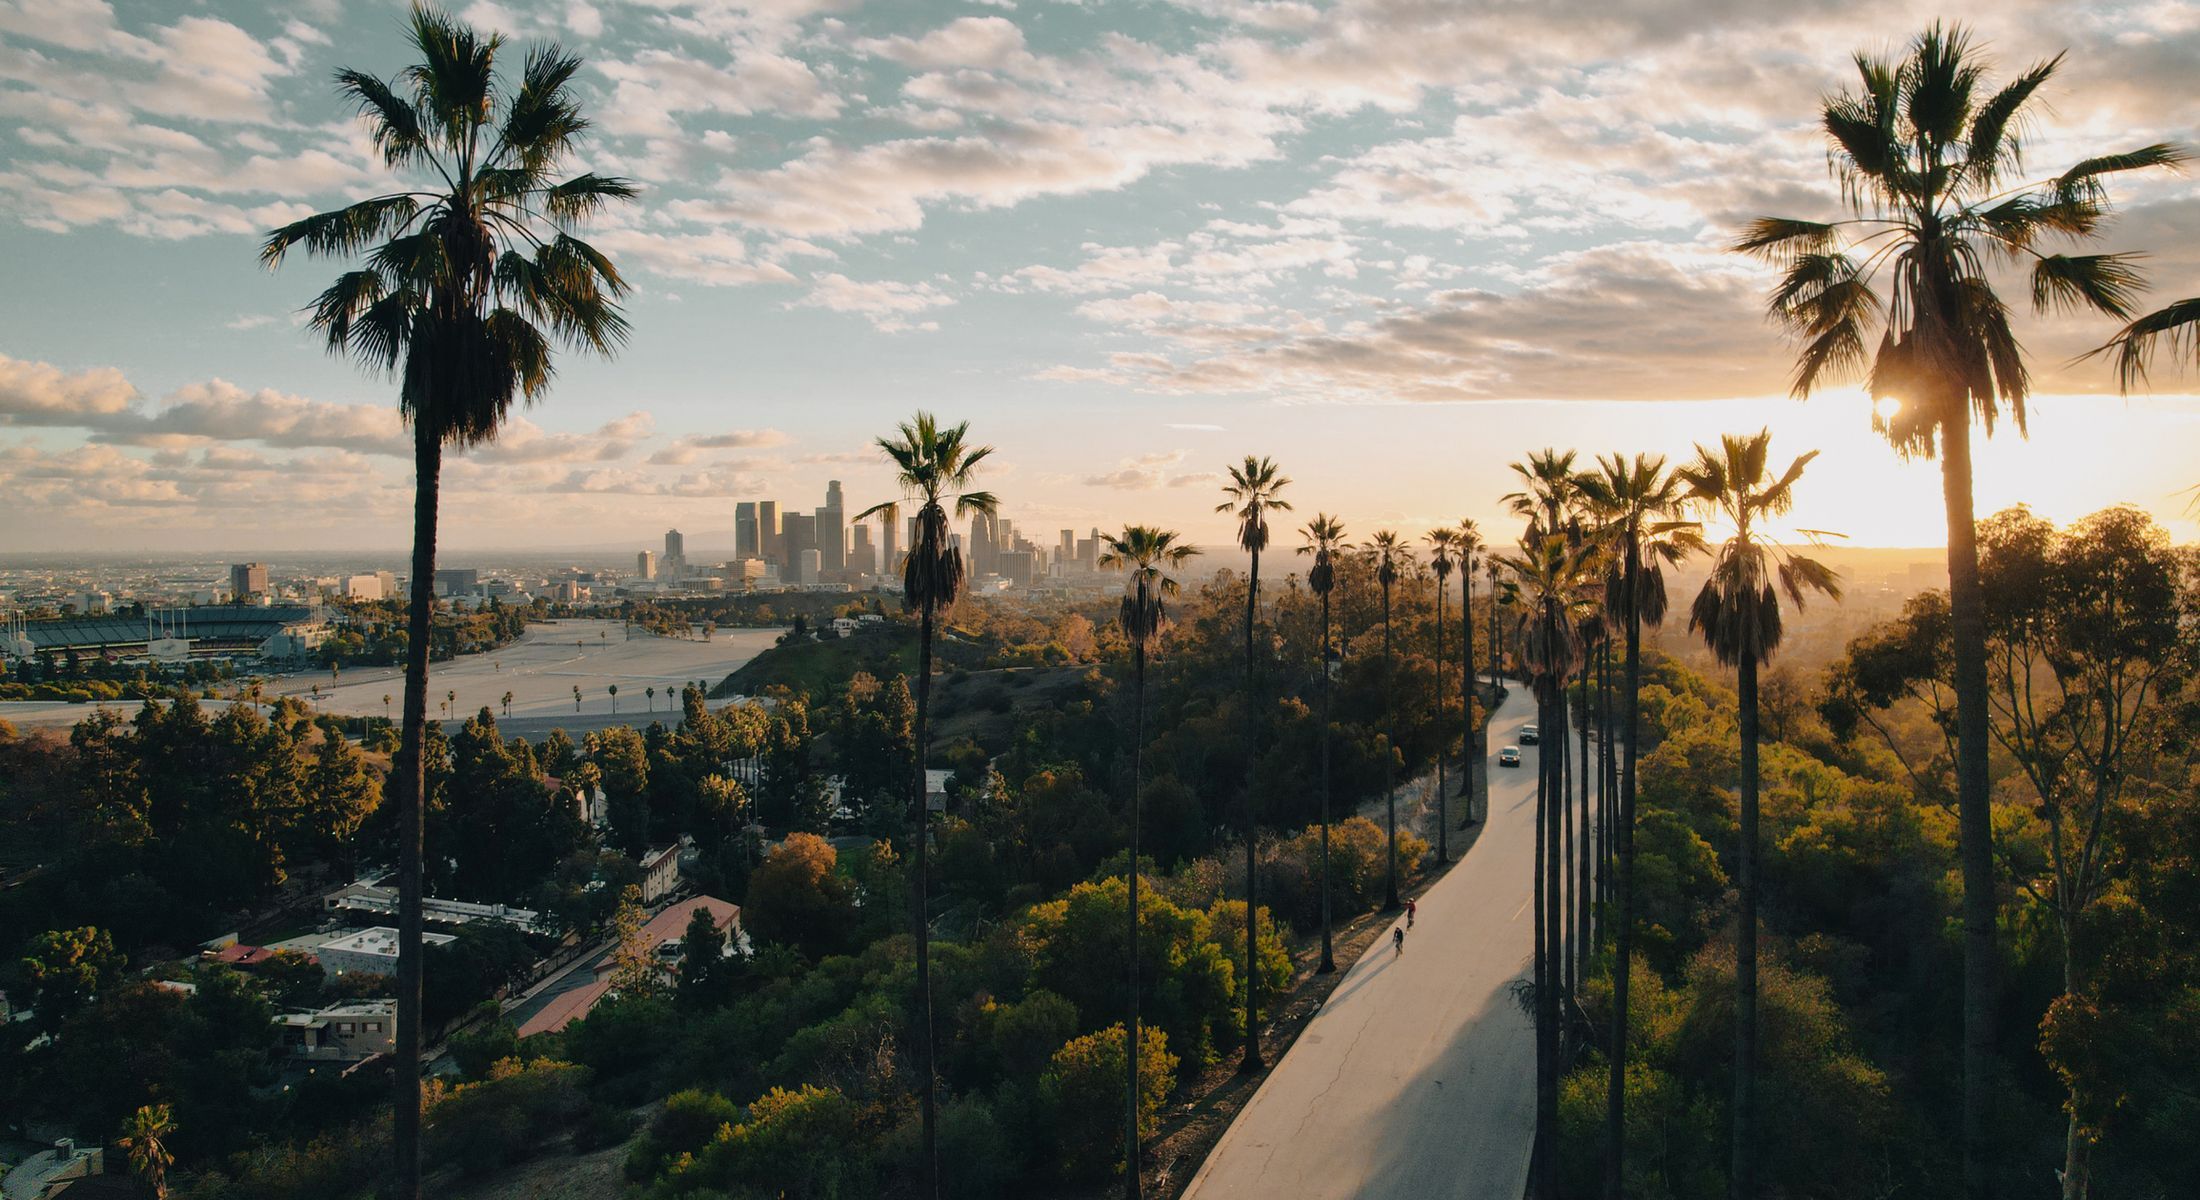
[464, 287]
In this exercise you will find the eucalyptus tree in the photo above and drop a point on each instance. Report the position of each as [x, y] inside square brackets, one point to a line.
[1147, 554]
[465, 287]
[1443, 541]
[1738, 614]
[1932, 174]
[1254, 489]
[1475, 748]
[936, 466]
[1547, 571]
[1325, 541]
[1388, 554]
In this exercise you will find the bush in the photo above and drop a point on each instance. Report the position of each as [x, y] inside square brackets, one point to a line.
[802, 1145]
[1358, 870]
[1226, 925]
[796, 897]
[603, 1125]
[1083, 1091]
[484, 1127]
[689, 1120]
[1186, 981]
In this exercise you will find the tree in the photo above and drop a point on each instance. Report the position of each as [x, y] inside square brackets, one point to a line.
[145, 1140]
[1638, 503]
[614, 690]
[633, 960]
[1929, 172]
[797, 898]
[1146, 554]
[1388, 553]
[1325, 541]
[933, 465]
[67, 968]
[1253, 491]
[507, 706]
[704, 973]
[464, 289]
[1475, 748]
[1442, 541]
[1081, 1081]
[1738, 614]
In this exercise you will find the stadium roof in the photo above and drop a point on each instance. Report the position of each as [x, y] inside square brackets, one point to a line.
[212, 622]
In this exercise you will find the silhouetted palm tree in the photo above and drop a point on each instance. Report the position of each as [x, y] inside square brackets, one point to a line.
[614, 690]
[1639, 503]
[649, 697]
[1929, 168]
[1254, 489]
[1388, 553]
[1475, 746]
[463, 289]
[1325, 541]
[144, 1139]
[1147, 553]
[934, 465]
[1738, 614]
[1441, 542]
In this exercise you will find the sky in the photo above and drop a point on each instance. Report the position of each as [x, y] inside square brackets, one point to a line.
[1393, 244]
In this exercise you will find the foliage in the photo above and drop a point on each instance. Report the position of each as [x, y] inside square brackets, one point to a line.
[789, 1145]
[482, 1127]
[1083, 1089]
[796, 897]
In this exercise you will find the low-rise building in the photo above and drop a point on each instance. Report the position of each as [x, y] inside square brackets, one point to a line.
[660, 873]
[369, 951]
[343, 1033]
[663, 936]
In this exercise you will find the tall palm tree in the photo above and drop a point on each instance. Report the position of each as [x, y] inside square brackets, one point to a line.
[464, 287]
[1147, 553]
[1254, 490]
[507, 706]
[1738, 614]
[935, 465]
[1494, 568]
[1388, 553]
[1325, 541]
[1639, 504]
[1930, 169]
[649, 697]
[145, 1139]
[1442, 541]
[1547, 571]
[614, 690]
[1474, 748]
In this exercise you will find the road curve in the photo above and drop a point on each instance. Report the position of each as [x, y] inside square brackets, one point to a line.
[1416, 1079]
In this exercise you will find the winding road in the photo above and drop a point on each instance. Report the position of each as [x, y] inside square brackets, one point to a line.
[1416, 1079]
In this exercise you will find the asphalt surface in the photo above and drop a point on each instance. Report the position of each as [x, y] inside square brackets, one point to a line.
[1417, 1078]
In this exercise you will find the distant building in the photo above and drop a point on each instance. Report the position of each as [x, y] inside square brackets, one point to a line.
[645, 565]
[89, 604]
[832, 529]
[247, 580]
[380, 585]
[675, 554]
[798, 533]
[845, 626]
[368, 951]
[663, 934]
[457, 581]
[660, 873]
[889, 547]
[861, 559]
[769, 545]
[745, 544]
[810, 567]
[343, 1033]
[373, 900]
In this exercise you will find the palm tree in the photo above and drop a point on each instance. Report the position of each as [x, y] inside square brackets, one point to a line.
[1254, 489]
[1389, 553]
[935, 466]
[576, 697]
[385, 706]
[1639, 504]
[1325, 541]
[1547, 571]
[463, 288]
[1475, 747]
[1441, 542]
[145, 1139]
[1929, 173]
[1493, 567]
[507, 706]
[1147, 553]
[1550, 490]
[613, 689]
[1738, 613]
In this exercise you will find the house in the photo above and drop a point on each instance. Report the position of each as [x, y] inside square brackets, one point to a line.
[373, 951]
[662, 935]
[238, 955]
[660, 873]
[936, 783]
[844, 626]
[53, 1171]
[594, 809]
[342, 1033]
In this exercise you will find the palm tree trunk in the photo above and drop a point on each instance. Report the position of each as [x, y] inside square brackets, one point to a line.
[1329, 960]
[1615, 1101]
[1131, 1182]
[412, 806]
[1252, 1060]
[1390, 761]
[1569, 896]
[1974, 811]
[1743, 1179]
[1474, 744]
[1443, 822]
[921, 915]
[1544, 1174]
[1587, 865]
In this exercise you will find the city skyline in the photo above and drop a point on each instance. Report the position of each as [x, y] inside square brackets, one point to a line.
[1389, 250]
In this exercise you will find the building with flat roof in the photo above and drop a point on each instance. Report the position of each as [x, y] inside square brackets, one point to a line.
[368, 951]
[247, 580]
[342, 1033]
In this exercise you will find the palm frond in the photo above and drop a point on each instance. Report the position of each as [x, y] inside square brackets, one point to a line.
[1782, 239]
[1994, 148]
[2132, 349]
[2066, 283]
[342, 231]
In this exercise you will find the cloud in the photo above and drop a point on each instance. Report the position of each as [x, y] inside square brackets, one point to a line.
[886, 303]
[1143, 473]
[36, 393]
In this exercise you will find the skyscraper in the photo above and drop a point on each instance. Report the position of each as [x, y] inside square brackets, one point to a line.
[745, 544]
[832, 537]
[247, 580]
[675, 554]
[645, 565]
[981, 545]
[889, 534]
[768, 544]
[860, 558]
[798, 532]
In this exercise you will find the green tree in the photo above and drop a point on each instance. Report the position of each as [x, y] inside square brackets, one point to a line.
[797, 898]
[704, 972]
[933, 465]
[633, 960]
[1388, 554]
[464, 288]
[1738, 614]
[1442, 541]
[1930, 168]
[1325, 541]
[1147, 554]
[145, 1141]
[1475, 748]
[1084, 1080]
[67, 968]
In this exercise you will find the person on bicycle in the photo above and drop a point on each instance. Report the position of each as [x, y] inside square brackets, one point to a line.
[1397, 939]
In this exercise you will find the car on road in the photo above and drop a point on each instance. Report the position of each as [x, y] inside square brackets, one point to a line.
[1529, 736]
[1509, 757]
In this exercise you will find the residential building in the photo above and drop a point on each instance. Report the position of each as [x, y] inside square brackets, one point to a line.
[745, 544]
[247, 580]
[660, 873]
[368, 951]
[363, 898]
[342, 1033]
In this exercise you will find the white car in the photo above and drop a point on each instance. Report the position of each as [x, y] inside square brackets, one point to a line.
[1509, 757]
[1529, 736]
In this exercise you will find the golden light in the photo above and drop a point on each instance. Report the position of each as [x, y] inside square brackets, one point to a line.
[1885, 407]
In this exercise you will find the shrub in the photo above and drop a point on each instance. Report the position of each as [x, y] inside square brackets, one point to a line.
[689, 1120]
[1083, 1090]
[802, 1145]
[483, 1127]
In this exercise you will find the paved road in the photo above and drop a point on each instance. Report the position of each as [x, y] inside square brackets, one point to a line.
[1416, 1079]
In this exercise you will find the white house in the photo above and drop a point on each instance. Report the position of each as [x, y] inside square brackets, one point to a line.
[372, 951]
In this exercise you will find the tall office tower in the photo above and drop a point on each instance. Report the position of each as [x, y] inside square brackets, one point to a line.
[798, 532]
[247, 580]
[981, 545]
[888, 532]
[675, 559]
[860, 558]
[645, 565]
[745, 544]
[769, 544]
[1004, 534]
[1068, 550]
[809, 566]
[1092, 562]
[832, 529]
